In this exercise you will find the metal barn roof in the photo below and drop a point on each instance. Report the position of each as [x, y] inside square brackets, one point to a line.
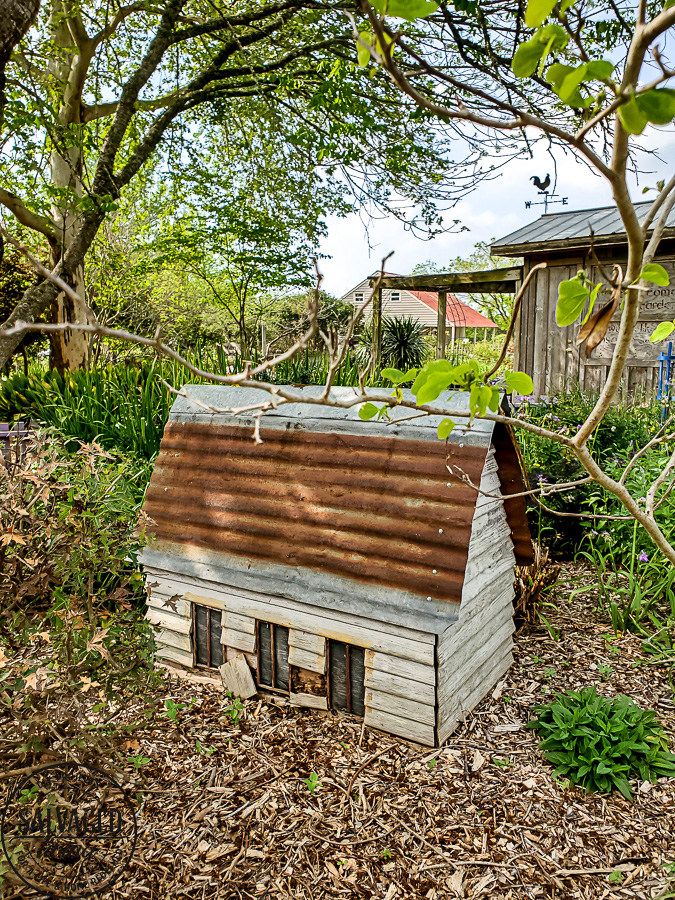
[571, 229]
[328, 505]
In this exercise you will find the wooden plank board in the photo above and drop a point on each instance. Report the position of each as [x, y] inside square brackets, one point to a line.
[174, 639]
[238, 640]
[235, 622]
[304, 640]
[398, 706]
[405, 728]
[165, 601]
[400, 687]
[173, 653]
[456, 668]
[393, 665]
[311, 701]
[480, 682]
[179, 624]
[237, 677]
[481, 618]
[306, 659]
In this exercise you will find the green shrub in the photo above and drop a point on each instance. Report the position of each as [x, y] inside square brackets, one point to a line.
[403, 343]
[598, 743]
[625, 429]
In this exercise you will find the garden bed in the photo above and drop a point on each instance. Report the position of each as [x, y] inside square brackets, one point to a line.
[232, 809]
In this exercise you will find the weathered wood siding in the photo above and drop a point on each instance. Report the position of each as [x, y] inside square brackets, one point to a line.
[400, 674]
[476, 651]
[550, 354]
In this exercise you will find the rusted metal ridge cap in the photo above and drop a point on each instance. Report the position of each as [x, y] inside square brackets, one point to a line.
[313, 417]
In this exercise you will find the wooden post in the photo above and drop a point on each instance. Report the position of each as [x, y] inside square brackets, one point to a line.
[263, 340]
[474, 336]
[440, 328]
[376, 349]
[452, 337]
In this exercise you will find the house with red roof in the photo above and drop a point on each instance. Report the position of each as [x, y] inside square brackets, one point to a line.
[423, 307]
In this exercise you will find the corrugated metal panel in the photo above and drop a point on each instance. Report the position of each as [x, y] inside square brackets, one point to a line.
[371, 509]
[328, 506]
[559, 229]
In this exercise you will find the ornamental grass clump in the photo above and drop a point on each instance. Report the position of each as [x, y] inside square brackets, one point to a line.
[598, 743]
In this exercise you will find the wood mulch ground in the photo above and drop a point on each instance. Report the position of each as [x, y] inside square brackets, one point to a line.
[479, 817]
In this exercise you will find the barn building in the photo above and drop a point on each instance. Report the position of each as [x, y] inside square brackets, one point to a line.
[338, 557]
[549, 353]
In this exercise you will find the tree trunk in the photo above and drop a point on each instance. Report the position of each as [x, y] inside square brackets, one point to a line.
[69, 349]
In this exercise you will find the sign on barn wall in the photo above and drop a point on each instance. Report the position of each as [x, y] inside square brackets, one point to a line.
[658, 305]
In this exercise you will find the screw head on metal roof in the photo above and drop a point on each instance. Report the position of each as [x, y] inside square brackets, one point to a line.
[434, 572]
[440, 531]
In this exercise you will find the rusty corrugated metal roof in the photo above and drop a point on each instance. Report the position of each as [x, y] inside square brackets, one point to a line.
[360, 503]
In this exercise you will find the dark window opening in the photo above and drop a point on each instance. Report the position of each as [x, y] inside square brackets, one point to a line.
[207, 629]
[273, 656]
[346, 673]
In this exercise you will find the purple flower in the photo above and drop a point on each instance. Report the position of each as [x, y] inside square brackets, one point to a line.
[643, 557]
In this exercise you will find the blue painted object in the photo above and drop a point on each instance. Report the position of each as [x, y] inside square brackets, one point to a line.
[666, 373]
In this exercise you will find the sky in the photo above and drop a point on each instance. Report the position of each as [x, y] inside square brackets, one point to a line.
[493, 210]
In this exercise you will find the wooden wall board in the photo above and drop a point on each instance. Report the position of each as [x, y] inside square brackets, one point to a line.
[406, 728]
[397, 686]
[405, 708]
[306, 659]
[394, 665]
[337, 626]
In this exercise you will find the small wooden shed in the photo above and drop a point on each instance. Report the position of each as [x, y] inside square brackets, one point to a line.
[549, 354]
[339, 557]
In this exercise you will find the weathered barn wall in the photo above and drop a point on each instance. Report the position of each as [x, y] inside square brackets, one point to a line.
[550, 354]
[562, 240]
[475, 651]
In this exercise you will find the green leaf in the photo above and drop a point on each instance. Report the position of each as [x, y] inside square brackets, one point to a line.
[520, 382]
[493, 405]
[572, 296]
[368, 411]
[394, 375]
[433, 387]
[362, 53]
[411, 9]
[538, 11]
[557, 73]
[633, 119]
[526, 58]
[662, 331]
[479, 398]
[445, 426]
[658, 105]
[655, 274]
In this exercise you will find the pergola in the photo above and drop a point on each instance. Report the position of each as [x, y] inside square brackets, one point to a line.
[492, 281]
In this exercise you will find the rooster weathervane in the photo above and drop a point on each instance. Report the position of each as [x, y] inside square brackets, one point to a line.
[542, 187]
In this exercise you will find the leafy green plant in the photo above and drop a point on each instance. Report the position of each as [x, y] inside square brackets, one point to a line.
[139, 761]
[605, 672]
[616, 877]
[171, 709]
[312, 782]
[234, 710]
[600, 743]
[403, 343]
